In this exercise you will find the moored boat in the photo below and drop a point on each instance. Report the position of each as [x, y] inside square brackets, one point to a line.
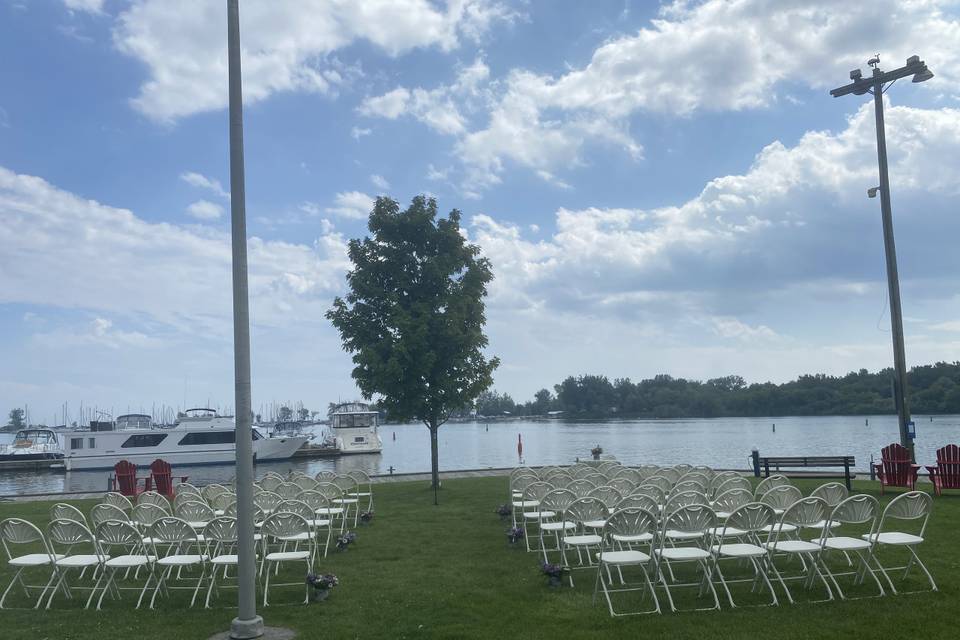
[355, 428]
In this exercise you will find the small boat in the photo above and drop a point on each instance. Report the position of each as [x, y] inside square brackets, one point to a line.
[33, 444]
[355, 428]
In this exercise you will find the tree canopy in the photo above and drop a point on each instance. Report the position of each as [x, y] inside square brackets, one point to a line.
[414, 315]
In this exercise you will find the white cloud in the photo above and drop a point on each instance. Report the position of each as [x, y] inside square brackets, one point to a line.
[729, 327]
[379, 182]
[437, 174]
[99, 332]
[89, 6]
[287, 45]
[112, 261]
[356, 132]
[205, 210]
[351, 204]
[707, 56]
[952, 325]
[203, 182]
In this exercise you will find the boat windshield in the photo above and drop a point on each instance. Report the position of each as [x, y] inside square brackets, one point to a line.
[37, 436]
[355, 420]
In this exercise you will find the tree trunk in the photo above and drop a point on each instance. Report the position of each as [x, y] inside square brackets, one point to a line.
[434, 461]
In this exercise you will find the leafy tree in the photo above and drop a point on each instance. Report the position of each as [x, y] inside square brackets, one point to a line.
[414, 316]
[303, 414]
[285, 414]
[16, 419]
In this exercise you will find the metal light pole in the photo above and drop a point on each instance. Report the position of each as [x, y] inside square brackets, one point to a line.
[875, 85]
[247, 624]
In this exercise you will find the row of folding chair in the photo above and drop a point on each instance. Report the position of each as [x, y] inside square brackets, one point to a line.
[114, 548]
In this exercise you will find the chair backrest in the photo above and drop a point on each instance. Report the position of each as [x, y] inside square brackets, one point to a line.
[220, 502]
[719, 477]
[187, 488]
[623, 484]
[146, 513]
[857, 509]
[832, 492]
[306, 483]
[104, 512]
[732, 499]
[195, 512]
[126, 474]
[346, 483]
[557, 500]
[535, 491]
[781, 497]
[520, 483]
[639, 501]
[329, 490]
[315, 500]
[584, 510]
[162, 477]
[581, 487]
[64, 511]
[598, 479]
[752, 517]
[283, 524]
[521, 471]
[897, 465]
[805, 512]
[288, 490]
[175, 534]
[15, 531]
[913, 505]
[688, 485]
[770, 483]
[732, 482]
[154, 498]
[672, 474]
[112, 534]
[695, 476]
[689, 518]
[222, 530]
[683, 499]
[211, 491]
[609, 496]
[71, 534]
[118, 500]
[661, 482]
[299, 507]
[651, 490]
[707, 472]
[948, 466]
[270, 483]
[267, 500]
[325, 476]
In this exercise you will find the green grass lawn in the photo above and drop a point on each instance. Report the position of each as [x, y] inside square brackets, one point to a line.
[420, 571]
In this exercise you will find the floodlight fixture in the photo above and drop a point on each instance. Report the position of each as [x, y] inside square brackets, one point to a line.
[872, 192]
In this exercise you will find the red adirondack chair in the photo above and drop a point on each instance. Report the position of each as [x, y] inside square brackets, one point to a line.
[895, 468]
[125, 479]
[946, 473]
[161, 477]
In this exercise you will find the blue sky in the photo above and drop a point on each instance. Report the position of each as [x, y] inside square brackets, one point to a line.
[661, 187]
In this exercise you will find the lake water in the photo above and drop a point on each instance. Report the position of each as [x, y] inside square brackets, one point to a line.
[718, 442]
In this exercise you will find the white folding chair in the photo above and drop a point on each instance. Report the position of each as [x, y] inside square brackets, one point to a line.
[347, 486]
[154, 498]
[288, 490]
[183, 549]
[803, 512]
[118, 500]
[772, 482]
[584, 514]
[270, 483]
[533, 495]
[220, 535]
[910, 506]
[267, 501]
[133, 555]
[687, 523]
[196, 514]
[104, 512]
[64, 511]
[855, 510]
[14, 531]
[555, 501]
[279, 530]
[72, 535]
[626, 524]
[750, 524]
[317, 523]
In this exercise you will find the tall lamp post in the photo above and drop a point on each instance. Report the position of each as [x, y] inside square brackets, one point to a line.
[876, 84]
[247, 624]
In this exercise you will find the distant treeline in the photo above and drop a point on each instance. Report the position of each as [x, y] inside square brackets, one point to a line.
[932, 389]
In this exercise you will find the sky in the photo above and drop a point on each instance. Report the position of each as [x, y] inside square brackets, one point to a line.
[661, 188]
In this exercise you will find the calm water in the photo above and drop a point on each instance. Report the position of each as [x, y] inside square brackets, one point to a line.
[719, 442]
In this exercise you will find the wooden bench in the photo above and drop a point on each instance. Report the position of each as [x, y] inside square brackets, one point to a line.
[765, 463]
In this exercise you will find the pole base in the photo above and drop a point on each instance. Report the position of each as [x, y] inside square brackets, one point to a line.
[253, 628]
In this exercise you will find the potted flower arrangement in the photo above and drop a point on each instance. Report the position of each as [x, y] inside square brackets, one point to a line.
[596, 451]
[514, 534]
[504, 511]
[554, 572]
[366, 517]
[345, 540]
[322, 584]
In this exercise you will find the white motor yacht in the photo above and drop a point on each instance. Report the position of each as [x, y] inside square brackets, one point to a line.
[200, 437]
[355, 428]
[33, 444]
